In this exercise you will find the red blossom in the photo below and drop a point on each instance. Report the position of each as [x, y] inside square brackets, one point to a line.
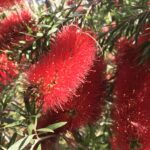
[11, 28]
[8, 70]
[105, 28]
[60, 72]
[9, 3]
[85, 106]
[70, 2]
[131, 107]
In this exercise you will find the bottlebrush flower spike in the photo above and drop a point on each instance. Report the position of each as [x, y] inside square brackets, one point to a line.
[11, 28]
[131, 107]
[61, 72]
[9, 3]
[84, 107]
[8, 70]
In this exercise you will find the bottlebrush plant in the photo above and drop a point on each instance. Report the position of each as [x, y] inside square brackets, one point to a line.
[74, 75]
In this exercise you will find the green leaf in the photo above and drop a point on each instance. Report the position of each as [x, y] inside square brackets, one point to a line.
[22, 42]
[28, 56]
[57, 125]
[22, 143]
[39, 147]
[45, 130]
[12, 141]
[52, 127]
[34, 45]
[13, 124]
[20, 133]
[30, 128]
[53, 30]
[44, 25]
[7, 51]
[39, 34]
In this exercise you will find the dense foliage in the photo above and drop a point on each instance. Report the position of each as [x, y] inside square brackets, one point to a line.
[74, 75]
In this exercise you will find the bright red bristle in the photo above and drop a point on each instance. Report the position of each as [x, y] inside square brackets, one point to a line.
[9, 3]
[131, 107]
[85, 106]
[8, 70]
[11, 28]
[60, 73]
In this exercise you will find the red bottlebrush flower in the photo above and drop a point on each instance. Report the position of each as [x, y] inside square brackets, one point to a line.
[11, 28]
[131, 116]
[131, 107]
[143, 119]
[8, 70]
[114, 24]
[80, 9]
[70, 2]
[85, 106]
[105, 28]
[144, 36]
[9, 3]
[61, 72]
